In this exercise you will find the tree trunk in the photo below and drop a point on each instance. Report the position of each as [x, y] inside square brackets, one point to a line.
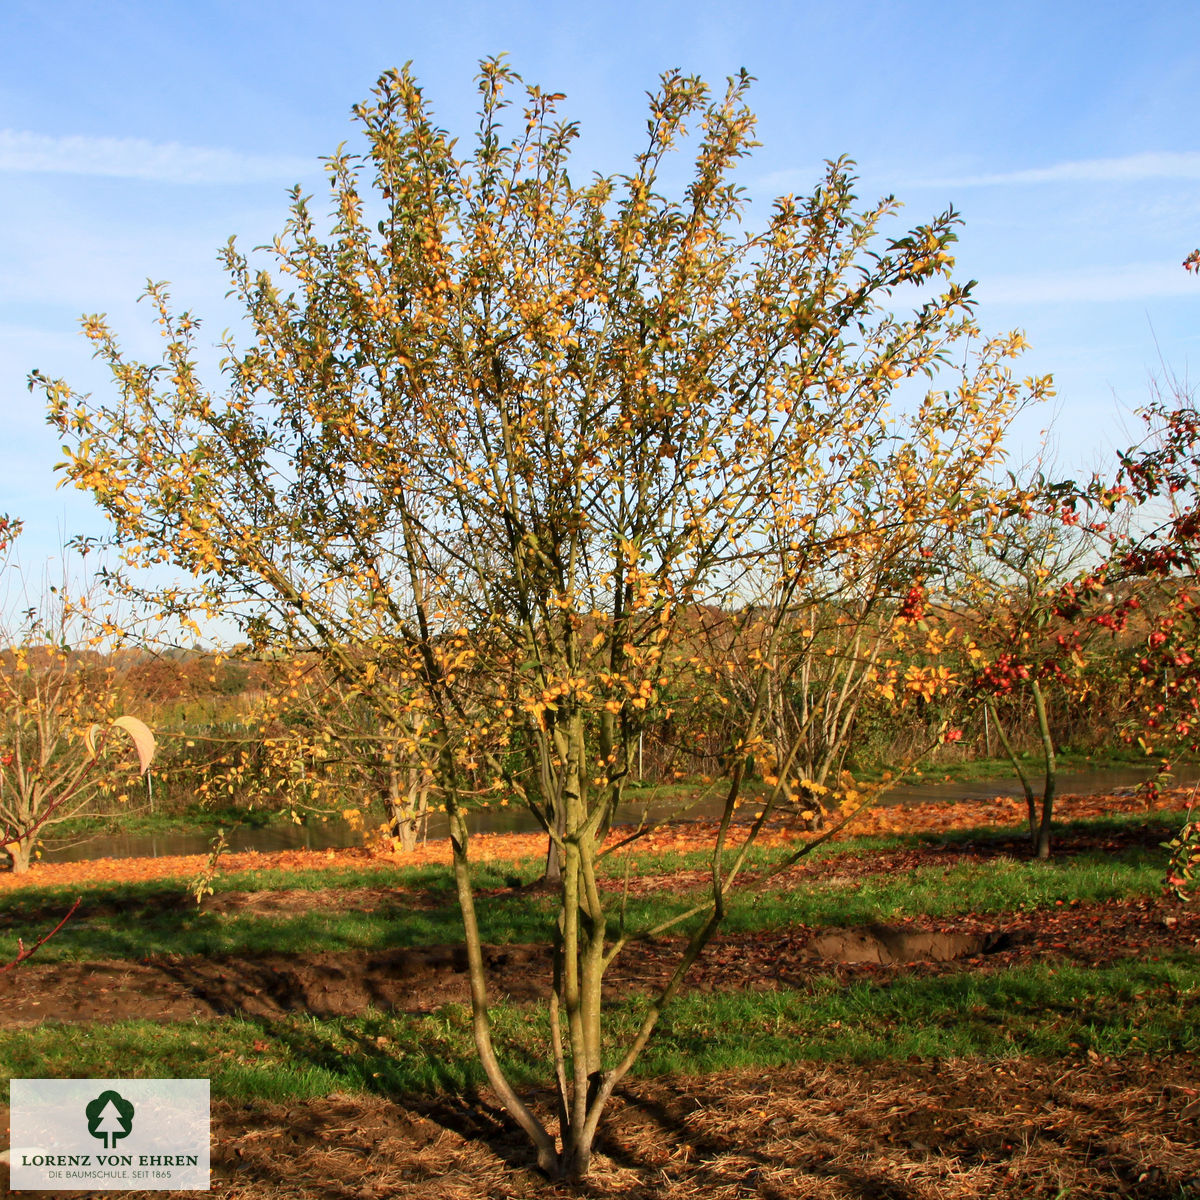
[1026, 786]
[1043, 833]
[19, 853]
[553, 869]
[407, 806]
[548, 1158]
[576, 1160]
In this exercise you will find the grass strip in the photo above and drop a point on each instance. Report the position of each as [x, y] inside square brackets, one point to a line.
[1065, 1011]
[120, 922]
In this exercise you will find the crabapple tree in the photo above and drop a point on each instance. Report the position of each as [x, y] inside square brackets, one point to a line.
[496, 435]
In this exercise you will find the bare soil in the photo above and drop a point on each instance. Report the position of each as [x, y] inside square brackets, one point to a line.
[886, 1132]
[420, 980]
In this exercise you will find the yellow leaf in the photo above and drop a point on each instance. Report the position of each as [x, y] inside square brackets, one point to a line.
[143, 740]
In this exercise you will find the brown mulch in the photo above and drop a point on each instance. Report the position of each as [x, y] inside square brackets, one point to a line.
[951, 1130]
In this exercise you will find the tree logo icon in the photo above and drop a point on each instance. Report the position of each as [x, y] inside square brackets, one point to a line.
[109, 1117]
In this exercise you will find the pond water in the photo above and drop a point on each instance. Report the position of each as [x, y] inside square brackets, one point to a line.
[317, 835]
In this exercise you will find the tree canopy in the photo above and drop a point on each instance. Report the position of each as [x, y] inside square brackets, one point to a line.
[497, 439]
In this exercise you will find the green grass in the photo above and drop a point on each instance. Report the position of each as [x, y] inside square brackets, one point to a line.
[195, 818]
[1047, 1010]
[1041, 1010]
[1001, 885]
[1150, 1007]
[1068, 761]
[168, 922]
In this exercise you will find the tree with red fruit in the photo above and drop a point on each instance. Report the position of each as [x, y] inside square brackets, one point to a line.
[1160, 478]
[1031, 610]
[1158, 485]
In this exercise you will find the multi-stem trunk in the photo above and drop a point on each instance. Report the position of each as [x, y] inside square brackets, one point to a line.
[547, 1152]
[408, 805]
[580, 950]
[581, 957]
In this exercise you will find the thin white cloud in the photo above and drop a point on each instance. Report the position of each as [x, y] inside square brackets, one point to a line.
[136, 158]
[1133, 168]
[790, 181]
[1134, 281]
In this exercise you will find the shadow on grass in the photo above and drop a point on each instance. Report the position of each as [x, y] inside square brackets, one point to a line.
[450, 1093]
[164, 920]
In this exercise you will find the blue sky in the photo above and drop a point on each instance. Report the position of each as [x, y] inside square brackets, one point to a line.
[136, 137]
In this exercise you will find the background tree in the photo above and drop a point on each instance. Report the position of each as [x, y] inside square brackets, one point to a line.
[1036, 613]
[315, 745]
[1156, 558]
[496, 437]
[1161, 476]
[58, 697]
[833, 649]
[1159, 564]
